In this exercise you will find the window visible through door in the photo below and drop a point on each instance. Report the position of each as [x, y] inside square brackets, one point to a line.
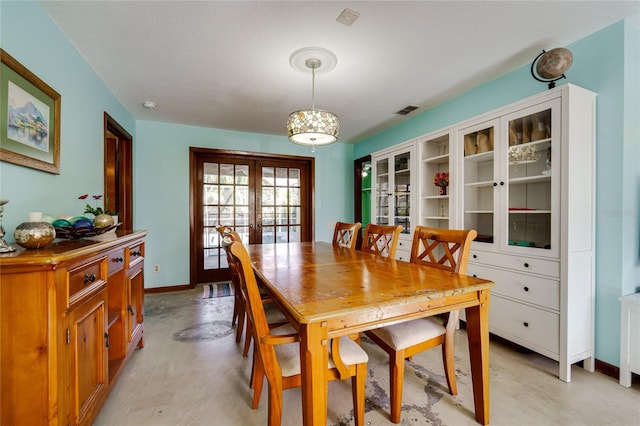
[265, 199]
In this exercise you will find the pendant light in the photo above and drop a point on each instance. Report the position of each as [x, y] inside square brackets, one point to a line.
[313, 127]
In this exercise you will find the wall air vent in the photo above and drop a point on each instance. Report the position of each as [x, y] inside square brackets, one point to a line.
[406, 110]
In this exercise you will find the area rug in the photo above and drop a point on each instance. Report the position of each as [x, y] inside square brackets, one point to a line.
[221, 289]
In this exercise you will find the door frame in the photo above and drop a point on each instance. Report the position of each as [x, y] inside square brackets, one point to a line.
[196, 152]
[123, 160]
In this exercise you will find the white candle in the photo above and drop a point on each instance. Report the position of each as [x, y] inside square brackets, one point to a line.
[35, 216]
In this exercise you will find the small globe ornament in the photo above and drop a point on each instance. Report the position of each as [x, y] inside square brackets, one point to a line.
[550, 66]
[102, 221]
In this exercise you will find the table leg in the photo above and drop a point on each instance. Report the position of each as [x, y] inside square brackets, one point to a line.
[314, 359]
[478, 334]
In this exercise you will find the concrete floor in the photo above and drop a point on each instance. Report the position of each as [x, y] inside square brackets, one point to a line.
[191, 372]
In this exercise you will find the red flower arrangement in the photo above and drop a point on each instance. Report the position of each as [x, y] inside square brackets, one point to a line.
[441, 179]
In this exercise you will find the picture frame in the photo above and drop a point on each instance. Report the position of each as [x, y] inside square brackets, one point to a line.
[29, 118]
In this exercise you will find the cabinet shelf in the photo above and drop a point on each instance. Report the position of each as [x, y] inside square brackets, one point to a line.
[113, 316]
[479, 184]
[532, 211]
[478, 158]
[435, 217]
[530, 179]
[478, 211]
[440, 159]
[435, 197]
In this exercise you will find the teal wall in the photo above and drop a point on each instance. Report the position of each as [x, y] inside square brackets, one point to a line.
[606, 62]
[33, 39]
[162, 187]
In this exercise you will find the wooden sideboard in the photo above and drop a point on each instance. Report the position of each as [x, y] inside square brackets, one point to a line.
[71, 315]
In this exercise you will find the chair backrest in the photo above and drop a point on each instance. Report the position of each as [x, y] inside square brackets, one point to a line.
[446, 249]
[381, 239]
[255, 308]
[223, 230]
[346, 234]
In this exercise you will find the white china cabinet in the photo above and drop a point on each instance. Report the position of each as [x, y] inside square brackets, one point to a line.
[527, 186]
[394, 172]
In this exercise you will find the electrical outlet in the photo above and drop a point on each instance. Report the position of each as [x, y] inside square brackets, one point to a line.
[156, 268]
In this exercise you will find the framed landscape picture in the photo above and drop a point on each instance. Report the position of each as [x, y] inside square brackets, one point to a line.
[29, 118]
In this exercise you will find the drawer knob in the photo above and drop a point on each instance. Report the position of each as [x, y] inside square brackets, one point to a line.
[117, 259]
[130, 309]
[475, 276]
[136, 253]
[526, 265]
[526, 324]
[89, 278]
[495, 183]
[475, 256]
[526, 288]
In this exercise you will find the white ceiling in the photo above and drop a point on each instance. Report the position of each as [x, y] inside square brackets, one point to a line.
[225, 64]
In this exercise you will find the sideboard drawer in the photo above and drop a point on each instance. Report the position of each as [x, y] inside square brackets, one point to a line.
[527, 288]
[530, 265]
[516, 321]
[116, 261]
[84, 279]
[136, 254]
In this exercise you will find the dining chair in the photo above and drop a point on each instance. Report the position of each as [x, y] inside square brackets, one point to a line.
[381, 239]
[275, 317]
[436, 248]
[279, 351]
[224, 231]
[346, 234]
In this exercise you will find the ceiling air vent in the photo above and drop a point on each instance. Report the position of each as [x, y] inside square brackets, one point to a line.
[406, 110]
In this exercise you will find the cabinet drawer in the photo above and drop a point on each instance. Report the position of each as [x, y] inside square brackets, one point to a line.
[116, 261]
[539, 291]
[525, 324]
[84, 279]
[550, 268]
[404, 255]
[136, 254]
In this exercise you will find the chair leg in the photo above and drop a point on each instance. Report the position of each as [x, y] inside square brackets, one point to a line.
[357, 390]
[275, 402]
[257, 379]
[248, 336]
[234, 318]
[396, 379]
[449, 364]
[241, 320]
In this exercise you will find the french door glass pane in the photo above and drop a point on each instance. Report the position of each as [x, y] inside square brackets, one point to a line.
[225, 202]
[280, 205]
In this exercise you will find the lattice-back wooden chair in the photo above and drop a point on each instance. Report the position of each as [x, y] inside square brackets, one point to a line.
[224, 232]
[346, 234]
[274, 316]
[381, 239]
[279, 351]
[437, 248]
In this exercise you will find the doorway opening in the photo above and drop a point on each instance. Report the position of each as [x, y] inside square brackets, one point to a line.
[118, 172]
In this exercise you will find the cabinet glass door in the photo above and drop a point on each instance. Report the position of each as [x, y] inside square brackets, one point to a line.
[480, 180]
[529, 175]
[402, 190]
[382, 192]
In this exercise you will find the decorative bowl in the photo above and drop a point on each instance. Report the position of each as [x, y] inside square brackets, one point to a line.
[71, 233]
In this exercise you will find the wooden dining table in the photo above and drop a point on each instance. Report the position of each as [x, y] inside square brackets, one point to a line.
[327, 291]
